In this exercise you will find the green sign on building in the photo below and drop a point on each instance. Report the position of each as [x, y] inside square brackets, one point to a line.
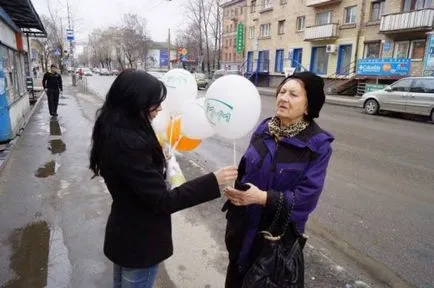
[240, 38]
[373, 87]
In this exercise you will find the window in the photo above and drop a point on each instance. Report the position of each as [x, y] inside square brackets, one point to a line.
[278, 63]
[281, 27]
[403, 85]
[235, 42]
[401, 49]
[266, 4]
[235, 56]
[241, 10]
[230, 42]
[230, 28]
[320, 60]
[377, 9]
[350, 15]
[299, 25]
[236, 11]
[253, 7]
[417, 49]
[372, 50]
[283, 2]
[410, 5]
[422, 86]
[232, 12]
[264, 30]
[252, 32]
[324, 18]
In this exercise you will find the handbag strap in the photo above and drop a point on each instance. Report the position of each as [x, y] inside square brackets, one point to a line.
[276, 217]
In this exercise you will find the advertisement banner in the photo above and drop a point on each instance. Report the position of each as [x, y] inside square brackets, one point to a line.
[164, 58]
[383, 67]
[428, 67]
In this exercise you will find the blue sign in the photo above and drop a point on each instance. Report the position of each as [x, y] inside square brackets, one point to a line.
[164, 58]
[69, 34]
[387, 46]
[428, 67]
[383, 67]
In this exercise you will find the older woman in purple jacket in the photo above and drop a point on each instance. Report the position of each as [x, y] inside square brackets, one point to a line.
[288, 154]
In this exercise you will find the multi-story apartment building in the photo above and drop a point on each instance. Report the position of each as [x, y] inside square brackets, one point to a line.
[234, 13]
[328, 37]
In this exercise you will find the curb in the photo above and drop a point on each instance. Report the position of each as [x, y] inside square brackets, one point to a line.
[14, 142]
[331, 101]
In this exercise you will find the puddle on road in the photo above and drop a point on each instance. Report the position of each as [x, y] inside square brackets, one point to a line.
[55, 128]
[57, 146]
[30, 246]
[49, 169]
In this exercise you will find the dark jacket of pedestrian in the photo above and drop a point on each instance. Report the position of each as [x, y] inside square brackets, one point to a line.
[126, 153]
[52, 80]
[279, 159]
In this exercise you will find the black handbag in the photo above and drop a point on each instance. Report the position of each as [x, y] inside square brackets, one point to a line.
[280, 263]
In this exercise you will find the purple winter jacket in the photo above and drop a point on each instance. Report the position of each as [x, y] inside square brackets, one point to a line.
[294, 164]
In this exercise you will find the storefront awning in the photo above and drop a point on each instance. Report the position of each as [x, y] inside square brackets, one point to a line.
[24, 16]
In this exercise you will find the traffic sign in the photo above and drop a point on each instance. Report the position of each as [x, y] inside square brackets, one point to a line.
[69, 34]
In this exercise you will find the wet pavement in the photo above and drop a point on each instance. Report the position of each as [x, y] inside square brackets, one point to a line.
[53, 216]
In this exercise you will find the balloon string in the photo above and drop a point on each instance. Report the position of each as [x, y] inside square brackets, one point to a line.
[177, 142]
[235, 153]
[172, 125]
[235, 157]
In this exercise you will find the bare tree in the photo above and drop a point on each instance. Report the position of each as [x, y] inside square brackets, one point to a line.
[216, 28]
[204, 22]
[135, 41]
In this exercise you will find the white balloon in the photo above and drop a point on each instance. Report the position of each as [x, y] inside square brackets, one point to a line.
[181, 87]
[194, 123]
[232, 106]
[161, 122]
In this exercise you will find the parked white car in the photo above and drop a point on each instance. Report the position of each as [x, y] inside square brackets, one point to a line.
[412, 95]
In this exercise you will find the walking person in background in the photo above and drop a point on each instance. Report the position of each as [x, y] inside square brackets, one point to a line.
[126, 153]
[52, 82]
[35, 73]
[286, 161]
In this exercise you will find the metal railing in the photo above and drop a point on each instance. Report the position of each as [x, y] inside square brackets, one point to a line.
[408, 21]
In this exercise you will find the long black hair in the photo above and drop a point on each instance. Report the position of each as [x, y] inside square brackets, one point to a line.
[127, 107]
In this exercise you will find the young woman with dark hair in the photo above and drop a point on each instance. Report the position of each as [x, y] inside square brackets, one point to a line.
[126, 153]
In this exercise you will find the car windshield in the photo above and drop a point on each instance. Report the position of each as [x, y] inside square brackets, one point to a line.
[219, 74]
[200, 76]
[157, 75]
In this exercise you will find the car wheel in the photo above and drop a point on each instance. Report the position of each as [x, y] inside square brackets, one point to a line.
[432, 116]
[372, 107]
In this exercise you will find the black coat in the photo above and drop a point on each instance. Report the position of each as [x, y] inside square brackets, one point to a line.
[139, 232]
[52, 81]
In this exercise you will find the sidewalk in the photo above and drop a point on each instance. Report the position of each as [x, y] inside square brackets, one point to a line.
[348, 101]
[47, 186]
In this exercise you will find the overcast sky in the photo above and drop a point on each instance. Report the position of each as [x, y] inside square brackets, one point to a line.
[91, 14]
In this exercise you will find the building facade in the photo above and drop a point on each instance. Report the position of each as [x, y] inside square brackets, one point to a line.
[15, 63]
[329, 37]
[234, 13]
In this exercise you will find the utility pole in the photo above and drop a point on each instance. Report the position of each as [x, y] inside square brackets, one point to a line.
[69, 28]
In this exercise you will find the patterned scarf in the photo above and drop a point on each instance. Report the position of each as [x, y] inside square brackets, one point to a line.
[291, 130]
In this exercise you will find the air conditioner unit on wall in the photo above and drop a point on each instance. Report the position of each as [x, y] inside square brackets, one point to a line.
[331, 48]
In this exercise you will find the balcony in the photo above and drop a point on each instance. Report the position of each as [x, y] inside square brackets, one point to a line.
[317, 3]
[321, 32]
[418, 20]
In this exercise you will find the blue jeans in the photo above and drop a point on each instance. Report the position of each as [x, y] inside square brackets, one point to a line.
[134, 278]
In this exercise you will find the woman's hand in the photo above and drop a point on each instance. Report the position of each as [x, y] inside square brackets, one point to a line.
[226, 175]
[242, 198]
